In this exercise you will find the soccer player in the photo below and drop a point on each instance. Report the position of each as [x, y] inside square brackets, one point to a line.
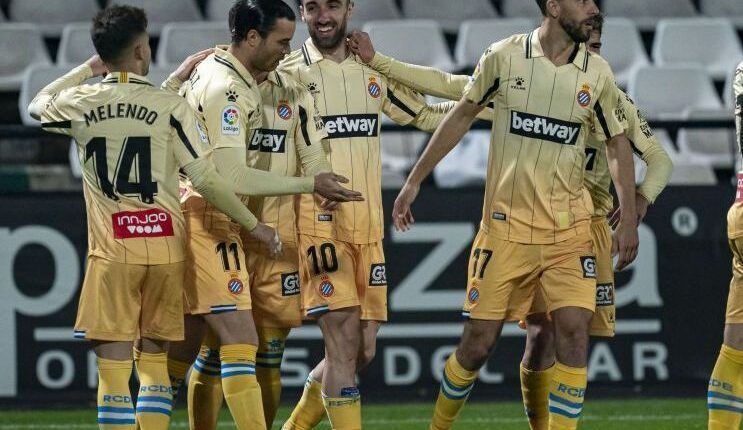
[549, 93]
[132, 138]
[539, 355]
[725, 392]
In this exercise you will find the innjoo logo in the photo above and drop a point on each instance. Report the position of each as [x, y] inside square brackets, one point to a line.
[149, 223]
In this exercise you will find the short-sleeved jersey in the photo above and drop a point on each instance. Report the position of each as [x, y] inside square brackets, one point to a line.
[291, 130]
[735, 215]
[351, 98]
[598, 177]
[542, 118]
[132, 138]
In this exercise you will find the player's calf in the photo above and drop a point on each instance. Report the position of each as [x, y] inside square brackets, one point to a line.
[536, 369]
[155, 399]
[725, 391]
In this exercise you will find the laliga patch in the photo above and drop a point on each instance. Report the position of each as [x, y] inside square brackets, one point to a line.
[374, 89]
[149, 223]
[326, 289]
[588, 264]
[377, 275]
[235, 286]
[284, 111]
[584, 96]
[604, 294]
[230, 121]
[289, 284]
[474, 295]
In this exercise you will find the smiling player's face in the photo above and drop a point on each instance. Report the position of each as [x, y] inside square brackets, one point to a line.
[327, 21]
[275, 46]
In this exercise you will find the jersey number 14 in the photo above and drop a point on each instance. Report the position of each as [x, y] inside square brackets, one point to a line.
[134, 149]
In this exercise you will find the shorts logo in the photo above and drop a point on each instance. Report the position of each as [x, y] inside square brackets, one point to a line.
[473, 295]
[374, 89]
[498, 216]
[326, 289]
[230, 121]
[589, 267]
[377, 275]
[284, 111]
[289, 284]
[584, 96]
[325, 217]
[604, 294]
[149, 223]
[235, 286]
[544, 128]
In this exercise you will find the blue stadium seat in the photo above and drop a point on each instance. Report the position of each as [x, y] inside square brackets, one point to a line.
[76, 45]
[179, 40]
[476, 35]
[21, 46]
[646, 14]
[52, 15]
[424, 41]
[161, 12]
[450, 14]
[623, 48]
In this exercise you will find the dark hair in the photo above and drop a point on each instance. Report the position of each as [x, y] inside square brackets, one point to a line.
[258, 15]
[542, 6]
[598, 23]
[115, 28]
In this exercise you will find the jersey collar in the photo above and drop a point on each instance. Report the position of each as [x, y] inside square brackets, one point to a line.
[223, 57]
[310, 53]
[579, 56]
[125, 78]
[275, 79]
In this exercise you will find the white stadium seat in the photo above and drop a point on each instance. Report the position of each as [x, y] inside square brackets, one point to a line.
[179, 40]
[218, 10]
[159, 74]
[623, 48]
[671, 91]
[301, 34]
[728, 93]
[76, 45]
[36, 78]
[646, 14]
[161, 12]
[21, 46]
[450, 14]
[709, 42]
[715, 147]
[374, 10]
[520, 9]
[52, 15]
[466, 164]
[730, 9]
[686, 170]
[425, 44]
[476, 35]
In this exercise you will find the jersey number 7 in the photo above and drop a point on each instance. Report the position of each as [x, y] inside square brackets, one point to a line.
[134, 148]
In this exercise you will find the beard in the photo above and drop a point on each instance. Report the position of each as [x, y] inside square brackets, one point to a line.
[329, 42]
[575, 31]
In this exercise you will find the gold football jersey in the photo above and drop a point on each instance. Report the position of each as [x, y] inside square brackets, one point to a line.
[132, 138]
[351, 98]
[542, 117]
[735, 215]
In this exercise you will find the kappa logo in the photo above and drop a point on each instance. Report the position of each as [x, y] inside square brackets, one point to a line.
[268, 140]
[544, 128]
[378, 275]
[149, 223]
[235, 286]
[289, 284]
[589, 267]
[352, 125]
[604, 294]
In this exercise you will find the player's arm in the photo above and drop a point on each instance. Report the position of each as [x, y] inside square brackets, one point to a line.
[738, 91]
[426, 80]
[43, 106]
[429, 118]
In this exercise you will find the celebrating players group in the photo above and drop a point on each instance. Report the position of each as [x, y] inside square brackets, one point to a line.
[218, 218]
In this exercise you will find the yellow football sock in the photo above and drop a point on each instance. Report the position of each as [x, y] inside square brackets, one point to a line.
[155, 400]
[456, 385]
[177, 374]
[268, 368]
[535, 389]
[115, 406]
[205, 390]
[725, 392]
[344, 413]
[567, 391]
[241, 390]
[310, 410]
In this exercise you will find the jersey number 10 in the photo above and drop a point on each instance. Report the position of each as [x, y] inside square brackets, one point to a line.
[134, 148]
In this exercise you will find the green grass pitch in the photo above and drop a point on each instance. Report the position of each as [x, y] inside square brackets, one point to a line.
[644, 414]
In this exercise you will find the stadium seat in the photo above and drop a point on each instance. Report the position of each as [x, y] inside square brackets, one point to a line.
[400, 150]
[36, 78]
[466, 164]
[715, 147]
[217, 10]
[728, 93]
[623, 48]
[301, 34]
[646, 14]
[179, 40]
[450, 14]
[52, 15]
[709, 42]
[686, 170]
[730, 9]
[374, 10]
[691, 89]
[476, 35]
[424, 42]
[520, 9]
[76, 45]
[161, 12]
[21, 46]
[159, 74]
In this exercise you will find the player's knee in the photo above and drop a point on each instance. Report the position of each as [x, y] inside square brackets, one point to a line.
[474, 354]
[540, 347]
[366, 355]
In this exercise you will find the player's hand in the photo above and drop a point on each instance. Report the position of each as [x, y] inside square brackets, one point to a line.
[641, 203]
[329, 205]
[183, 72]
[268, 237]
[625, 243]
[328, 185]
[402, 217]
[97, 65]
[361, 45]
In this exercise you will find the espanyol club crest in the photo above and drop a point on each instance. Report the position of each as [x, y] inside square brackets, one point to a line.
[284, 111]
[326, 289]
[374, 89]
[235, 286]
[584, 96]
[474, 295]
